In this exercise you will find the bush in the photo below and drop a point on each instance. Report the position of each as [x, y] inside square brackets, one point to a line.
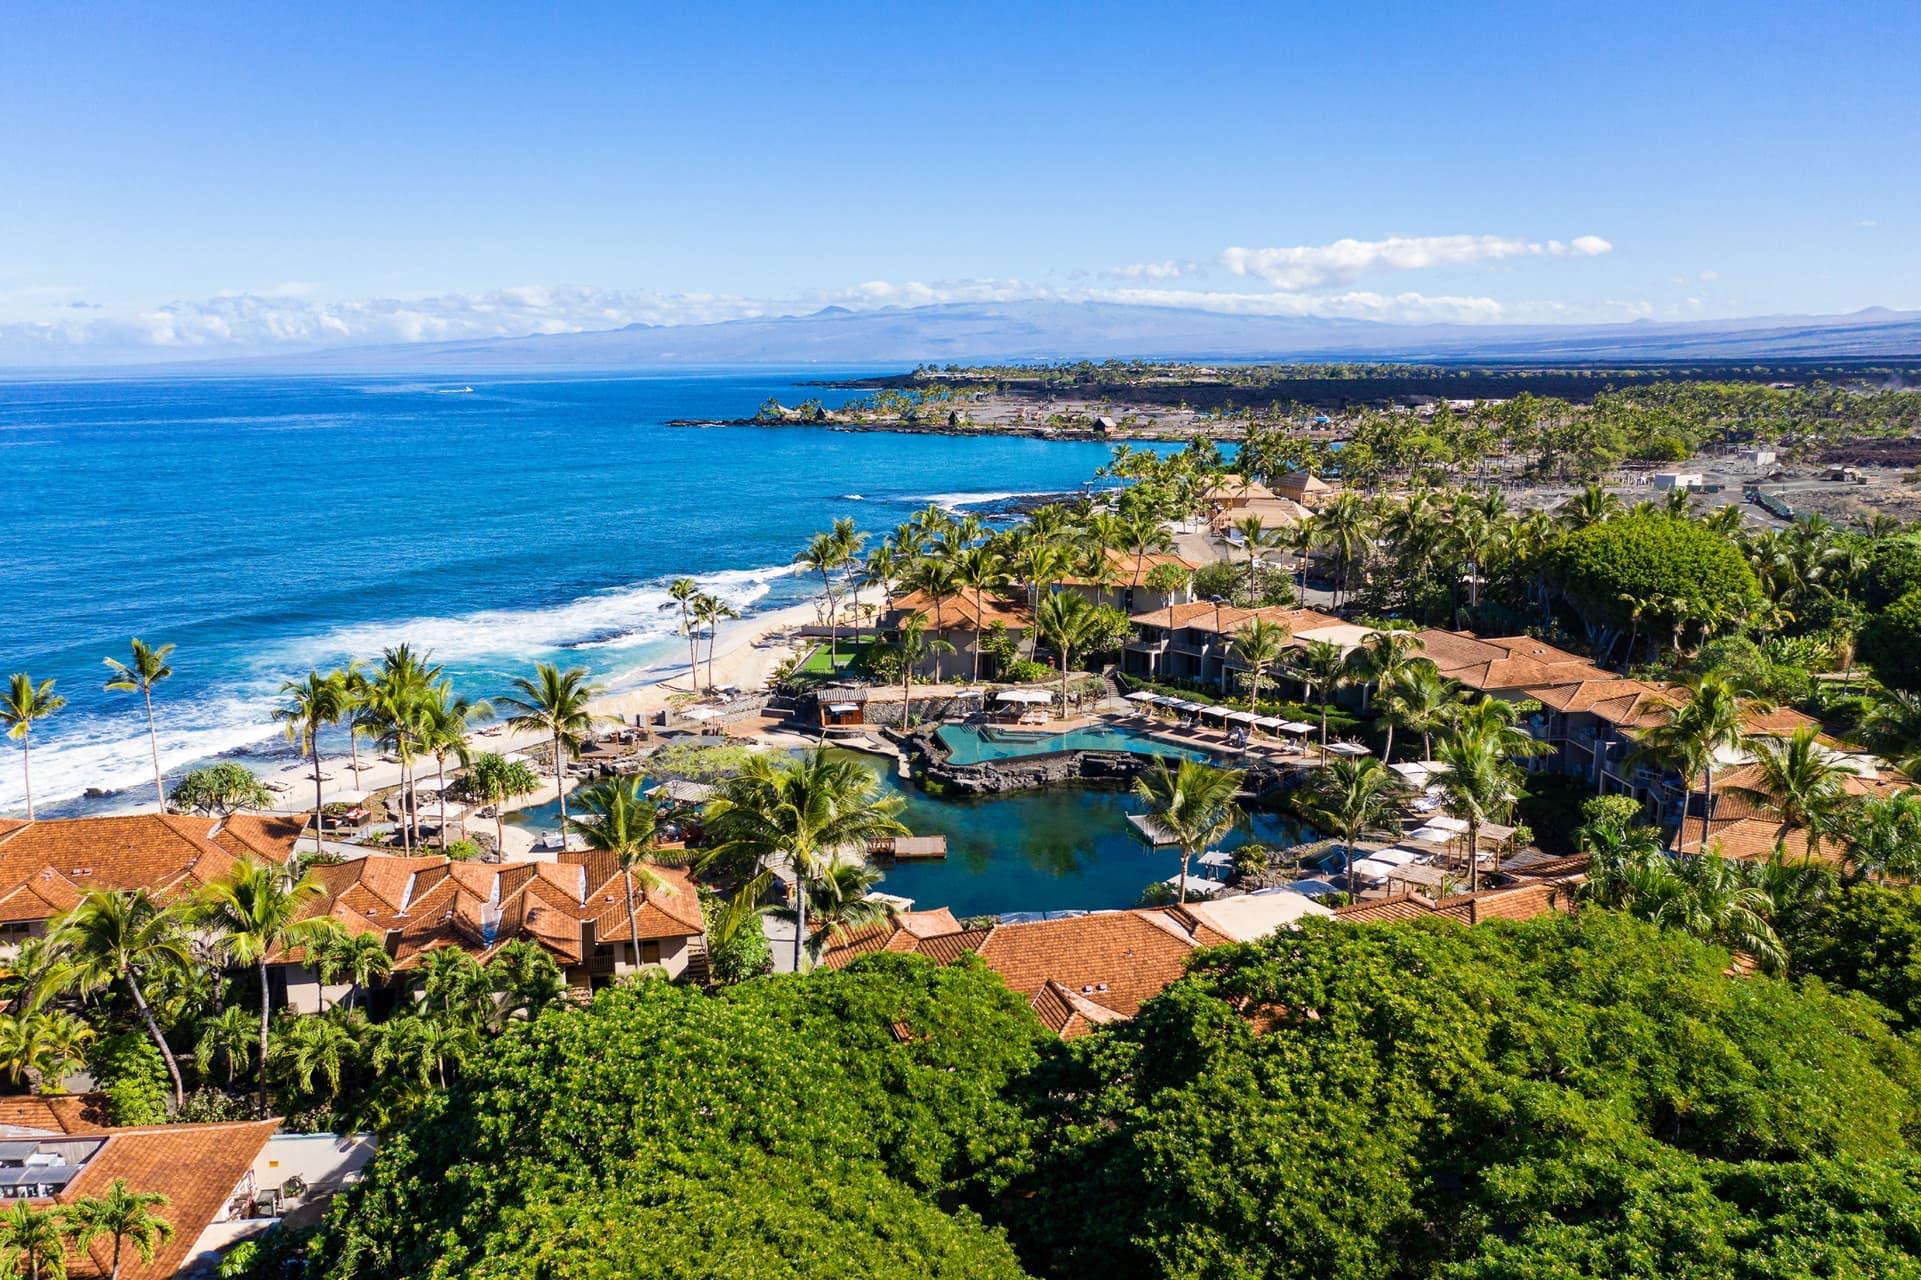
[1027, 671]
[1891, 643]
[129, 1070]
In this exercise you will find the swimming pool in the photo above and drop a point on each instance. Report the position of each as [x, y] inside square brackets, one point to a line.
[975, 744]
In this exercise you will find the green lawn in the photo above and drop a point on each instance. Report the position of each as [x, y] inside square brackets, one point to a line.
[817, 663]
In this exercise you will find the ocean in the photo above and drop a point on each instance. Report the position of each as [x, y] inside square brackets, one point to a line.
[269, 526]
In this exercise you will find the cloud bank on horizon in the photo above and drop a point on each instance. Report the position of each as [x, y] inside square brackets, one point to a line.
[1304, 281]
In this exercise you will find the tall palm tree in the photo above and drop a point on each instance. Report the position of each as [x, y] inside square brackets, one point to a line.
[979, 569]
[837, 899]
[1706, 723]
[1480, 786]
[621, 820]
[1194, 803]
[1380, 659]
[554, 702]
[881, 569]
[358, 693]
[25, 703]
[1591, 505]
[710, 611]
[1345, 527]
[1800, 783]
[1041, 565]
[939, 578]
[35, 1240]
[394, 698]
[825, 556]
[256, 912]
[446, 719]
[807, 810]
[1350, 796]
[128, 938]
[312, 704]
[911, 648]
[1067, 622]
[683, 591]
[492, 779]
[1320, 666]
[850, 542]
[1420, 700]
[124, 1216]
[1256, 537]
[1259, 645]
[1142, 534]
[148, 668]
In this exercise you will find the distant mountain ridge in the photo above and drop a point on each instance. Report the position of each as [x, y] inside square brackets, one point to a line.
[1050, 330]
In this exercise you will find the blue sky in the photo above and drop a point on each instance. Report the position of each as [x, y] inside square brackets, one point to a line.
[242, 176]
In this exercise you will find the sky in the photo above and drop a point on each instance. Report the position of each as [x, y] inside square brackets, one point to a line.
[210, 179]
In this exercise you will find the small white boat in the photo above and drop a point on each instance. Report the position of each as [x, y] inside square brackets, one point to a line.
[851, 497]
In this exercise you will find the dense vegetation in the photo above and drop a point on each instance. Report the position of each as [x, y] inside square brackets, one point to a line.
[1567, 1097]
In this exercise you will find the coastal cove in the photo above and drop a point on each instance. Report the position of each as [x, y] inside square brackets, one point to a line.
[270, 525]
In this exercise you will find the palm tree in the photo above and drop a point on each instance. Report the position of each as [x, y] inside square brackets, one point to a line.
[807, 810]
[913, 647]
[1259, 645]
[357, 957]
[312, 704]
[1381, 658]
[36, 1238]
[446, 718]
[1883, 836]
[1480, 785]
[1345, 527]
[494, 780]
[148, 668]
[229, 1034]
[123, 937]
[1257, 538]
[710, 612]
[358, 694]
[623, 821]
[124, 1216]
[304, 1047]
[825, 555]
[394, 698]
[683, 591]
[1350, 796]
[1143, 533]
[25, 703]
[979, 569]
[1420, 700]
[255, 910]
[1041, 565]
[1194, 804]
[837, 899]
[42, 1044]
[850, 541]
[1320, 666]
[1068, 622]
[1591, 505]
[1695, 731]
[554, 702]
[1800, 783]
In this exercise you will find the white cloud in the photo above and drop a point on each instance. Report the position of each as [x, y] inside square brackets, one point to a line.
[1868, 222]
[1168, 270]
[1345, 261]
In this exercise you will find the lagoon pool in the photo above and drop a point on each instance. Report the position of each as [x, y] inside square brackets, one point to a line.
[973, 744]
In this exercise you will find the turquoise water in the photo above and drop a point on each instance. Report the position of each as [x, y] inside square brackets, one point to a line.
[1056, 849]
[272, 525]
[972, 744]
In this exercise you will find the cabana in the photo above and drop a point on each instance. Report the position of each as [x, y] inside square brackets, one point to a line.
[1031, 697]
[1347, 749]
[1243, 717]
[1196, 886]
[1215, 712]
[1294, 727]
[1143, 695]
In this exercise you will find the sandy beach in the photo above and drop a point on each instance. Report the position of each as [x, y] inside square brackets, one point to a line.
[746, 652]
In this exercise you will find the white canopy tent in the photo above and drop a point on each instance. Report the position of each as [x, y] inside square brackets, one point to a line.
[1030, 697]
[1142, 695]
[1347, 749]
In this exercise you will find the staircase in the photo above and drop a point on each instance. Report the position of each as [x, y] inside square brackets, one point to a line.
[700, 969]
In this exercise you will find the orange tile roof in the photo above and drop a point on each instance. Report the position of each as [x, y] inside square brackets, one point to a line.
[1200, 615]
[1125, 566]
[1748, 838]
[48, 865]
[1503, 662]
[196, 1166]
[59, 1113]
[267, 836]
[1510, 902]
[958, 612]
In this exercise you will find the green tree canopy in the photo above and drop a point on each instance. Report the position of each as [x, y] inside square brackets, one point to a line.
[1648, 556]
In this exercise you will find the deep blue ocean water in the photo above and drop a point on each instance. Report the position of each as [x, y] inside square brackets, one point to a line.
[268, 526]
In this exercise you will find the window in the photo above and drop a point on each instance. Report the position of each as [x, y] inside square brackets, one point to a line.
[650, 952]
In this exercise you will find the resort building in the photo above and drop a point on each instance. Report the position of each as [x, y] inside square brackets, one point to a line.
[1235, 498]
[1303, 487]
[1741, 826]
[1504, 666]
[961, 621]
[1077, 973]
[48, 866]
[1193, 642]
[575, 907]
[1124, 585]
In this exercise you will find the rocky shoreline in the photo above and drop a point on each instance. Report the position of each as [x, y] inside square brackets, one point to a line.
[933, 770]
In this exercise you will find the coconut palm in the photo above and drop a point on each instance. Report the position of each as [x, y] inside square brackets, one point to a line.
[394, 698]
[1883, 835]
[1713, 899]
[910, 648]
[1256, 537]
[1195, 804]
[1040, 564]
[123, 1216]
[682, 592]
[850, 541]
[446, 719]
[710, 612]
[126, 938]
[1591, 505]
[492, 779]
[979, 569]
[148, 668]
[554, 702]
[256, 913]
[1350, 796]
[358, 690]
[1068, 622]
[44, 1044]
[1480, 786]
[358, 957]
[230, 1035]
[1380, 659]
[1800, 783]
[881, 569]
[302, 1048]
[1345, 527]
[1259, 645]
[1320, 666]
[1706, 723]
[825, 556]
[35, 1240]
[312, 704]
[621, 820]
[806, 810]
[1419, 700]
[1142, 534]
[838, 902]
[25, 703]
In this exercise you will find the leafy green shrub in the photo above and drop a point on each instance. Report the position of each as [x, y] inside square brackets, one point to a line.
[129, 1070]
[1651, 557]
[1891, 643]
[1027, 671]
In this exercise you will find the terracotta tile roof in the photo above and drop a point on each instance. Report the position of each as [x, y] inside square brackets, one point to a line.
[1503, 662]
[1625, 703]
[1512, 902]
[1748, 838]
[57, 861]
[1296, 483]
[418, 905]
[196, 1166]
[1233, 488]
[1275, 513]
[957, 612]
[1076, 973]
[1200, 615]
[1125, 566]
[63, 1113]
[267, 836]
